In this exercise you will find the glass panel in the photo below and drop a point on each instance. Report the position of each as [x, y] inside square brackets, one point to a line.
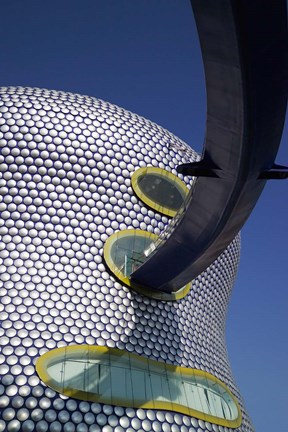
[56, 372]
[176, 390]
[115, 376]
[192, 395]
[215, 403]
[104, 382]
[138, 386]
[201, 394]
[148, 388]
[156, 383]
[161, 190]
[127, 252]
[120, 384]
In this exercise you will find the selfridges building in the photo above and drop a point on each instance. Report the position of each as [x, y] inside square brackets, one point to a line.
[85, 189]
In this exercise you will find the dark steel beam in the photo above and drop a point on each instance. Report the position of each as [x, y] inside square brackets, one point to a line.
[244, 49]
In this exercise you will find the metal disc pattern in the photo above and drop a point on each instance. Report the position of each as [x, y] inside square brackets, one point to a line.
[66, 163]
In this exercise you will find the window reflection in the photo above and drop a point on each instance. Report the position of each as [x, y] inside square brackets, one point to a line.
[125, 251]
[128, 252]
[159, 189]
[117, 377]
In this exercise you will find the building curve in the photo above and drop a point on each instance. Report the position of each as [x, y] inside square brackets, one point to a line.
[66, 163]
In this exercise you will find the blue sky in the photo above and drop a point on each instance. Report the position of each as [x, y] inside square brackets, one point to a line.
[144, 56]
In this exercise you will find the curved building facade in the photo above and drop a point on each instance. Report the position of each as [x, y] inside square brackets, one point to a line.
[81, 351]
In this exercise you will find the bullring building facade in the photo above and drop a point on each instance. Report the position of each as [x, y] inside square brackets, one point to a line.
[116, 264]
[86, 189]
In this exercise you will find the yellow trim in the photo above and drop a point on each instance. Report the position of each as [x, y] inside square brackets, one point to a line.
[181, 186]
[52, 356]
[158, 295]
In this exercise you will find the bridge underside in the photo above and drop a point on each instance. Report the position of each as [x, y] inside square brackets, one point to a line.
[244, 49]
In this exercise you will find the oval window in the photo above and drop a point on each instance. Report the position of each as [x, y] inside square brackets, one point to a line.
[159, 189]
[125, 251]
[117, 377]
